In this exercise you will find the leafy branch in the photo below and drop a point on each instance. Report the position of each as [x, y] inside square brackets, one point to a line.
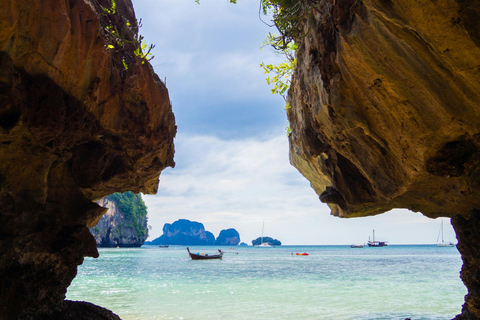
[123, 36]
[288, 16]
[282, 73]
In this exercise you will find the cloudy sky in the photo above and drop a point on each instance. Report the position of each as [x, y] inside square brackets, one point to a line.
[232, 168]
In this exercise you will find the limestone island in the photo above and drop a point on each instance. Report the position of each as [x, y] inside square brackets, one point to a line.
[267, 240]
[125, 222]
[228, 237]
[190, 233]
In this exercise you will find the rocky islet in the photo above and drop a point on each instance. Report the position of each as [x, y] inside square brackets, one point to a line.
[186, 232]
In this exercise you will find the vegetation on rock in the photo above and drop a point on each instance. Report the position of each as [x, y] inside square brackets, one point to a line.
[124, 224]
[134, 209]
[286, 17]
[123, 36]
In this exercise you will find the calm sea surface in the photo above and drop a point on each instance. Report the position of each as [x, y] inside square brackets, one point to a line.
[333, 282]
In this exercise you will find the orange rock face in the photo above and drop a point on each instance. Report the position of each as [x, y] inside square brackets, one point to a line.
[385, 107]
[385, 113]
[82, 116]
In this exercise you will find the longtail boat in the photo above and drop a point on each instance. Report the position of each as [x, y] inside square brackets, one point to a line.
[205, 256]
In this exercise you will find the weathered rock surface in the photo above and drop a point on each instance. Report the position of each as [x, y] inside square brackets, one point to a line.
[468, 235]
[385, 109]
[75, 126]
[228, 237]
[184, 232]
[118, 228]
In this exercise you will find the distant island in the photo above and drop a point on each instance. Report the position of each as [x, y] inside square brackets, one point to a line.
[270, 241]
[186, 232]
[228, 237]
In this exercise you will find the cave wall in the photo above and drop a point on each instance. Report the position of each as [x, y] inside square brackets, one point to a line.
[384, 113]
[384, 106]
[75, 125]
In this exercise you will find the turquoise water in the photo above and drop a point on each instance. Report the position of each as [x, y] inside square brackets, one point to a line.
[333, 282]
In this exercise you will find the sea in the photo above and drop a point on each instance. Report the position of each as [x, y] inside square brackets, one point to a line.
[420, 282]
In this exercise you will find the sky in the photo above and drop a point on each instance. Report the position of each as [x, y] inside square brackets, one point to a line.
[231, 149]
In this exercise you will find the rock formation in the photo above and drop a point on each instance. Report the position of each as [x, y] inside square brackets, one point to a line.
[270, 241]
[184, 232]
[385, 112]
[228, 237]
[81, 117]
[125, 222]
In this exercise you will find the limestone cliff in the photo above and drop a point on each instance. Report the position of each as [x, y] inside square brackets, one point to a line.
[385, 111]
[81, 117]
[125, 222]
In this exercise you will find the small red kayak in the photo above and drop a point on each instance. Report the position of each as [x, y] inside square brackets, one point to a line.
[302, 254]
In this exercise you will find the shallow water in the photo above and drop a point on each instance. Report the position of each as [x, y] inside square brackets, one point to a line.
[332, 282]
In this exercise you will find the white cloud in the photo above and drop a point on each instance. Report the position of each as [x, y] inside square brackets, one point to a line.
[241, 183]
[227, 184]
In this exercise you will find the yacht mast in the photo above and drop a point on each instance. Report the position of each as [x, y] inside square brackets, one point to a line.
[263, 225]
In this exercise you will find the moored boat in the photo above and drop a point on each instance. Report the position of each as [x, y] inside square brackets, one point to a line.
[263, 244]
[205, 256]
[443, 243]
[357, 246]
[376, 243]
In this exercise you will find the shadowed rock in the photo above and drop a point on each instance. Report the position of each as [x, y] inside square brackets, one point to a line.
[385, 109]
[79, 310]
[75, 125]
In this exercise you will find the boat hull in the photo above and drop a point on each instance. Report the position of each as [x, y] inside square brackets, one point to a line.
[445, 244]
[205, 257]
[195, 256]
[377, 244]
